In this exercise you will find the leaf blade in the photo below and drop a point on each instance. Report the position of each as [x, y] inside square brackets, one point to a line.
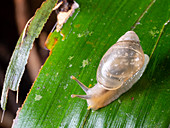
[20, 55]
[88, 37]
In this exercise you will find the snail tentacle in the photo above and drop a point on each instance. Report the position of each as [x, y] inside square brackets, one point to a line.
[81, 96]
[81, 84]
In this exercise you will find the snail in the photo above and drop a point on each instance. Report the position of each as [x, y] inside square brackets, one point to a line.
[120, 67]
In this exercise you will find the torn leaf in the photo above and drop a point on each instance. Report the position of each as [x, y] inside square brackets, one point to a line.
[20, 55]
[64, 11]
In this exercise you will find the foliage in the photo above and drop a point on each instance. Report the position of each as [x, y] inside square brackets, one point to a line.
[87, 36]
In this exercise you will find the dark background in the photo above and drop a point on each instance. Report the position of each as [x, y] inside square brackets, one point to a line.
[14, 14]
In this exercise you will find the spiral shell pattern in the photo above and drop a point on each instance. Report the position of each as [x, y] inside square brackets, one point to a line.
[121, 61]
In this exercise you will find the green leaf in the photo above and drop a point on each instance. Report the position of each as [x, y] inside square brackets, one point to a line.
[97, 27]
[20, 55]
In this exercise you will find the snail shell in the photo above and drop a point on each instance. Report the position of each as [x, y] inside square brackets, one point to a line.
[120, 67]
[120, 62]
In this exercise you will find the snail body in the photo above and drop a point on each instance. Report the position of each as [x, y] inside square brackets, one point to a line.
[120, 67]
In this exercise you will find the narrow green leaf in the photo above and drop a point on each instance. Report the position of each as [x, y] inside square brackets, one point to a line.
[97, 26]
[20, 55]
